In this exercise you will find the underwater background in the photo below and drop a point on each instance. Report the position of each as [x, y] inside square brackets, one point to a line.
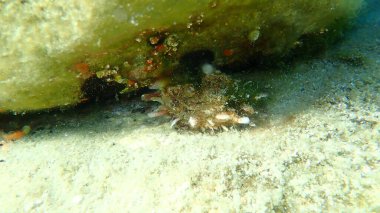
[314, 145]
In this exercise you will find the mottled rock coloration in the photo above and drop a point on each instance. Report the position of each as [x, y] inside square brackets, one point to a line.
[51, 50]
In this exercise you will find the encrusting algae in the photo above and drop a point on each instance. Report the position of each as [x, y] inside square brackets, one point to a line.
[69, 52]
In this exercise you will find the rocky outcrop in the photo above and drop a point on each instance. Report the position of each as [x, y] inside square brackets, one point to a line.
[51, 50]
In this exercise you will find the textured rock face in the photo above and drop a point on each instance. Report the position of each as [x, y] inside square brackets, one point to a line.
[50, 49]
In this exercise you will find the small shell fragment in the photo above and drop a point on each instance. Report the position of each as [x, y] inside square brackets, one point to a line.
[223, 117]
[225, 128]
[193, 122]
[243, 120]
[211, 122]
[208, 69]
[174, 122]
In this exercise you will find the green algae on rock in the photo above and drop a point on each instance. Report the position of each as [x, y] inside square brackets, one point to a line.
[51, 48]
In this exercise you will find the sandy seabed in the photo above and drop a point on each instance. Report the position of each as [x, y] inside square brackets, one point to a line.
[316, 150]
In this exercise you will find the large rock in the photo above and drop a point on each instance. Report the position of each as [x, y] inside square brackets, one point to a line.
[51, 49]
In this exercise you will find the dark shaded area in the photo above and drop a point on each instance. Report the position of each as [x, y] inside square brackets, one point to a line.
[310, 46]
[100, 89]
[196, 58]
[75, 116]
[189, 68]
